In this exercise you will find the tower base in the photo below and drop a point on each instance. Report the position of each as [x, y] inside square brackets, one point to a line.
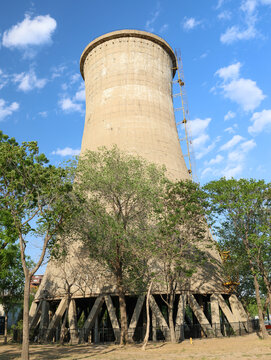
[96, 319]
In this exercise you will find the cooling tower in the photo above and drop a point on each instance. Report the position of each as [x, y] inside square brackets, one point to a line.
[128, 79]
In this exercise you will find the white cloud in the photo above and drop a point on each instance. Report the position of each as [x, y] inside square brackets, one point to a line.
[43, 114]
[234, 33]
[224, 15]
[3, 79]
[247, 145]
[244, 92]
[67, 151]
[229, 72]
[199, 141]
[163, 28]
[204, 55]
[198, 126]
[215, 160]
[231, 143]
[73, 104]
[190, 23]
[29, 81]
[231, 129]
[154, 16]
[75, 77]
[236, 158]
[206, 171]
[30, 32]
[261, 122]
[266, 2]
[219, 4]
[230, 115]
[249, 6]
[69, 105]
[57, 71]
[232, 171]
[6, 110]
[248, 30]
[80, 94]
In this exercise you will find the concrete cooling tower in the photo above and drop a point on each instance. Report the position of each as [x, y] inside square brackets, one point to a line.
[128, 79]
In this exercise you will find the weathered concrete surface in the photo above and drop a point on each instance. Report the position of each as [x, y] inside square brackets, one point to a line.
[128, 79]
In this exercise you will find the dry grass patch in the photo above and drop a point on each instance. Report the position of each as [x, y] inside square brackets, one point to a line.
[247, 347]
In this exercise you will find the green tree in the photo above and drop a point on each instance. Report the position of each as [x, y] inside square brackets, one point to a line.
[241, 214]
[11, 280]
[181, 229]
[36, 198]
[118, 193]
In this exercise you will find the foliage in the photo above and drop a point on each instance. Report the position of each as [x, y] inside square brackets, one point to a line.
[36, 200]
[241, 215]
[180, 229]
[118, 192]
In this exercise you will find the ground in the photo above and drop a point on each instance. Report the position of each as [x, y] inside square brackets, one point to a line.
[247, 347]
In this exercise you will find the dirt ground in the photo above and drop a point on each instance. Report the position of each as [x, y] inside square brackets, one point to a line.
[247, 347]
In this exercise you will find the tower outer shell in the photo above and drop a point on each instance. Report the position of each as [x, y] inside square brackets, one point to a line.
[128, 79]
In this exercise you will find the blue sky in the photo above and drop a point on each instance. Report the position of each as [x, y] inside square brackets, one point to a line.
[225, 46]
[226, 53]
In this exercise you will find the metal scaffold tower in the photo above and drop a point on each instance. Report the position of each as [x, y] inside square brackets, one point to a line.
[182, 122]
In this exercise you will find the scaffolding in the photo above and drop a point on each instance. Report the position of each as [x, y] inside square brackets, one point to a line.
[182, 122]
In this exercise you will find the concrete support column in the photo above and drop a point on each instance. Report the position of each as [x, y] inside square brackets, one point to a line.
[44, 319]
[154, 328]
[72, 316]
[159, 318]
[179, 327]
[135, 316]
[96, 330]
[215, 315]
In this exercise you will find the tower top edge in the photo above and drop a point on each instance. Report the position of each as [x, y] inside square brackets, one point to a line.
[127, 33]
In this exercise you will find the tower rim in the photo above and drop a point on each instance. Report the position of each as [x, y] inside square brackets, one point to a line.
[127, 33]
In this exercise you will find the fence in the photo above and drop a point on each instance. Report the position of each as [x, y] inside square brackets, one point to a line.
[185, 331]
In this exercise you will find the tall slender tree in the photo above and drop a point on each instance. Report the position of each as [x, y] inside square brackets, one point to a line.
[117, 192]
[36, 198]
[180, 230]
[241, 211]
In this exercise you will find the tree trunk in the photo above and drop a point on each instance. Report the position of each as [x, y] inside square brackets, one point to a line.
[6, 326]
[146, 338]
[123, 317]
[260, 310]
[170, 319]
[25, 346]
[122, 304]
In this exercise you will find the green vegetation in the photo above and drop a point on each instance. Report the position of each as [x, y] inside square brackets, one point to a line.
[35, 200]
[241, 216]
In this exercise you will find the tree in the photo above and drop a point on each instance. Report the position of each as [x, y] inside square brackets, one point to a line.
[241, 212]
[11, 280]
[117, 192]
[36, 198]
[181, 229]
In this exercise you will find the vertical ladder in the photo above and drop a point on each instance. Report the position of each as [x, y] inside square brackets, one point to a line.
[183, 123]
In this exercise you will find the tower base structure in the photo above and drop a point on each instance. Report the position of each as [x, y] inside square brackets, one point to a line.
[77, 302]
[95, 319]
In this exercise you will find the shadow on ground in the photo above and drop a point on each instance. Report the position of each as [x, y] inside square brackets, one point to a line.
[51, 352]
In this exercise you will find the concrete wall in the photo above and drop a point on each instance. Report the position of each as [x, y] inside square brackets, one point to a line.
[128, 79]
